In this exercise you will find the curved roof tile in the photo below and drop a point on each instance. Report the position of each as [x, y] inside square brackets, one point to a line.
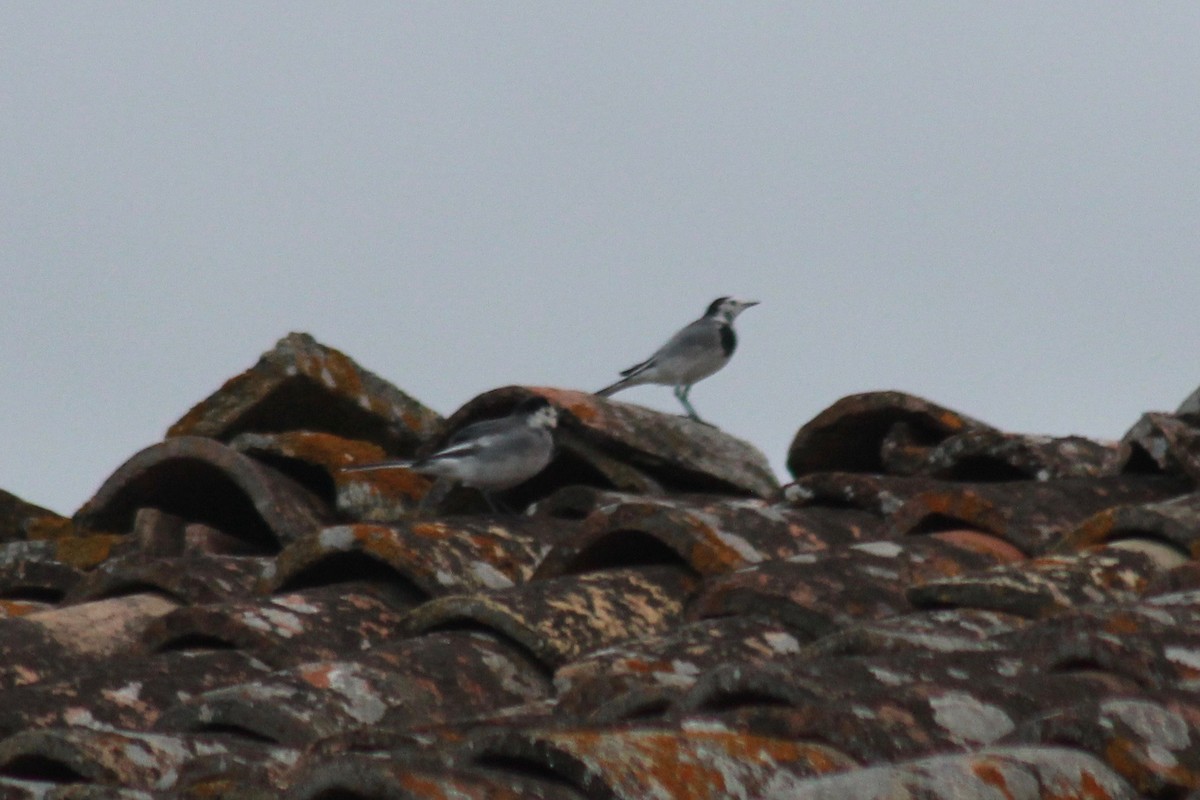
[399, 778]
[1153, 743]
[816, 593]
[1031, 515]
[50, 644]
[196, 579]
[424, 680]
[658, 450]
[307, 625]
[1042, 586]
[301, 384]
[204, 480]
[707, 761]
[875, 432]
[1007, 771]
[711, 537]
[128, 693]
[561, 619]
[661, 666]
[438, 556]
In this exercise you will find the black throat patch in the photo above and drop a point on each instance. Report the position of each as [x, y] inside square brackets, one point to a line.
[728, 340]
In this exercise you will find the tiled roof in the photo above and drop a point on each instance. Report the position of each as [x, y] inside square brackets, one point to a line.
[932, 608]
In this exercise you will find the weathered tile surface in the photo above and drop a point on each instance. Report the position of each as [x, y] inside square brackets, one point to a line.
[932, 608]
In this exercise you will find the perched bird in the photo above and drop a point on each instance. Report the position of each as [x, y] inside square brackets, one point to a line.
[493, 454]
[691, 355]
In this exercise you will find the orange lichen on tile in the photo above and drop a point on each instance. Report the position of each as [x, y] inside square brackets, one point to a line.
[989, 774]
[85, 552]
[980, 542]
[50, 527]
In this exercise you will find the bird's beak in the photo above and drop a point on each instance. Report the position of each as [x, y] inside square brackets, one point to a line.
[748, 303]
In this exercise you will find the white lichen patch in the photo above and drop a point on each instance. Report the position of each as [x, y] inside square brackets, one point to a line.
[1188, 598]
[703, 726]
[887, 677]
[882, 549]
[1184, 656]
[882, 573]
[969, 720]
[1161, 756]
[1008, 667]
[127, 695]
[685, 668]
[740, 546]
[362, 702]
[297, 603]
[512, 679]
[271, 620]
[1152, 722]
[797, 494]
[489, 576]
[782, 643]
[81, 718]
[340, 537]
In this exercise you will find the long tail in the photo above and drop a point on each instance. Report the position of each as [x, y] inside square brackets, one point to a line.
[613, 388]
[397, 464]
[629, 377]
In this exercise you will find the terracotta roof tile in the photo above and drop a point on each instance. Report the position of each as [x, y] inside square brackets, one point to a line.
[1034, 516]
[1175, 522]
[398, 777]
[136, 760]
[305, 625]
[817, 593]
[933, 606]
[630, 447]
[561, 619]
[992, 455]
[658, 668]
[878, 494]
[196, 579]
[875, 432]
[303, 385]
[706, 761]
[710, 536]
[1163, 443]
[438, 556]
[1043, 586]
[1032, 772]
[418, 681]
[129, 693]
[941, 631]
[35, 571]
[50, 644]
[204, 480]
[1154, 743]
[20, 519]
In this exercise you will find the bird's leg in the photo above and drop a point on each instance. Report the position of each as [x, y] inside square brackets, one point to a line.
[682, 393]
[491, 501]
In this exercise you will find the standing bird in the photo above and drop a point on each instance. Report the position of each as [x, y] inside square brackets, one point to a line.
[691, 355]
[493, 454]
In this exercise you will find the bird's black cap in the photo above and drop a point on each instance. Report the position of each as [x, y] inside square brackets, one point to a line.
[715, 306]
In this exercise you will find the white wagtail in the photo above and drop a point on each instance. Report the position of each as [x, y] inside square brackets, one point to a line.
[691, 355]
[493, 454]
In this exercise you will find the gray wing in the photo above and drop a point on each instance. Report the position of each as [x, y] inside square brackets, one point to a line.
[478, 430]
[698, 342]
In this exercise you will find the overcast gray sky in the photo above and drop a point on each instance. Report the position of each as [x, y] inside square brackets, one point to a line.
[993, 205]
